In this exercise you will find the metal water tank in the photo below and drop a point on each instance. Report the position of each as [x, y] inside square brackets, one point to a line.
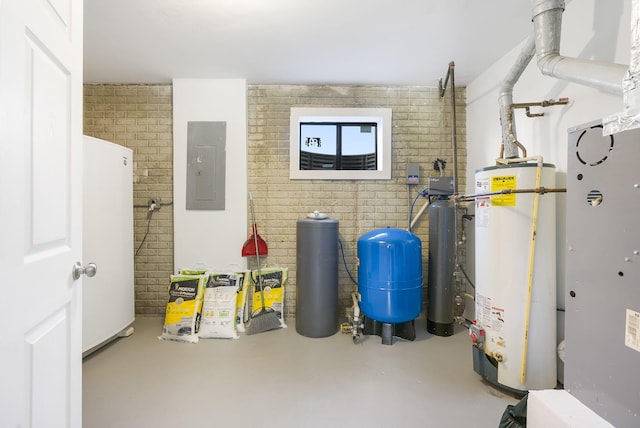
[317, 277]
[390, 275]
[440, 285]
[504, 263]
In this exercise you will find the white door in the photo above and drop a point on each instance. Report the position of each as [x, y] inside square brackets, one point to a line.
[40, 213]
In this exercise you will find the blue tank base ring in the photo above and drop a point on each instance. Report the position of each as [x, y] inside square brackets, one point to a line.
[440, 329]
[387, 331]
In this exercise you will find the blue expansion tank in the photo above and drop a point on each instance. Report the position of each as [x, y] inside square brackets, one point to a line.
[390, 275]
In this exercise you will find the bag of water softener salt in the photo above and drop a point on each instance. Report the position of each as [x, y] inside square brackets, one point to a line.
[193, 271]
[219, 307]
[273, 281]
[182, 317]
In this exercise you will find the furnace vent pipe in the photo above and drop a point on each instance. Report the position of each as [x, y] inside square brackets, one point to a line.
[630, 117]
[547, 25]
[454, 147]
[509, 138]
[631, 82]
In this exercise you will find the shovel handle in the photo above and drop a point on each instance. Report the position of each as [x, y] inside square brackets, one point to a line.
[255, 240]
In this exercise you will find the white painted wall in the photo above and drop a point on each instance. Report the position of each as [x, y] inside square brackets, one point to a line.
[211, 238]
[591, 29]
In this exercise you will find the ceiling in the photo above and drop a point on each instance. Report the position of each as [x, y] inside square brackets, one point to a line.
[354, 42]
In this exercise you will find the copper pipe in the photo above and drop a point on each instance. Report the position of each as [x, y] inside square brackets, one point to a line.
[540, 190]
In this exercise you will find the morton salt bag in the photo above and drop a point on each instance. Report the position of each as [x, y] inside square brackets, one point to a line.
[182, 317]
[273, 281]
[194, 271]
[219, 306]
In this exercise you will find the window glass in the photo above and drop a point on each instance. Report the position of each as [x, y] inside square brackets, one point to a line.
[340, 143]
[338, 146]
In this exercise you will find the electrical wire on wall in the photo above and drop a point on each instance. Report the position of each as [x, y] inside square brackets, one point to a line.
[152, 207]
[149, 216]
[344, 261]
[410, 189]
[467, 217]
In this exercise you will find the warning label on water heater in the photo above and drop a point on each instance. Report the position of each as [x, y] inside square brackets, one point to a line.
[503, 182]
[632, 330]
[482, 203]
[483, 310]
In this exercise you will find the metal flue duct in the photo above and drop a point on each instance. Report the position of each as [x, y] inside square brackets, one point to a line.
[505, 99]
[613, 78]
[630, 117]
[547, 24]
[631, 83]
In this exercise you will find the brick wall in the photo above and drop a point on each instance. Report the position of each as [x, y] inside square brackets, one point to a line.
[421, 133]
[139, 117]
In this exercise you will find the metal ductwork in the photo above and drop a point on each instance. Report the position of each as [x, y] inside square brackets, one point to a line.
[509, 140]
[547, 25]
[630, 117]
[613, 78]
[631, 82]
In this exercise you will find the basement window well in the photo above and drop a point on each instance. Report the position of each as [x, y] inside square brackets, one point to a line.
[340, 143]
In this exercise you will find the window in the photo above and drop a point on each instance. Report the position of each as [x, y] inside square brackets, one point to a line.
[338, 146]
[340, 143]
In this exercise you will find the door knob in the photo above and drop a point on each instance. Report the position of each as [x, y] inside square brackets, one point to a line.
[89, 270]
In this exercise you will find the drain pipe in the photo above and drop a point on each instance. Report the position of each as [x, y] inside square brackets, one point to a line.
[509, 140]
[454, 147]
[547, 26]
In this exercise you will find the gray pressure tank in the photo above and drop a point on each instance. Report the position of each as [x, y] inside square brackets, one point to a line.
[440, 286]
[317, 277]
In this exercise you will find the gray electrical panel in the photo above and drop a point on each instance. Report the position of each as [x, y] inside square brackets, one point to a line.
[602, 360]
[206, 165]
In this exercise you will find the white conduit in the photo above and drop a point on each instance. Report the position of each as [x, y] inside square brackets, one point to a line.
[355, 297]
[422, 210]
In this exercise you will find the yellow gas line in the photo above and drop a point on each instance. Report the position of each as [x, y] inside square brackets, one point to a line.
[532, 251]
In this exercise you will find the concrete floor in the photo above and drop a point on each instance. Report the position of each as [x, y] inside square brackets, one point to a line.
[282, 379]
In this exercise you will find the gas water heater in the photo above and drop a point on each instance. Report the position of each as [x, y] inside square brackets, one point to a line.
[514, 334]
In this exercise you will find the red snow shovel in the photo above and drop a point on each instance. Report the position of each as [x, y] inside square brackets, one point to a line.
[255, 241]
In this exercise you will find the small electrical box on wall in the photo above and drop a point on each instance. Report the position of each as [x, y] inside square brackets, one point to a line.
[413, 173]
